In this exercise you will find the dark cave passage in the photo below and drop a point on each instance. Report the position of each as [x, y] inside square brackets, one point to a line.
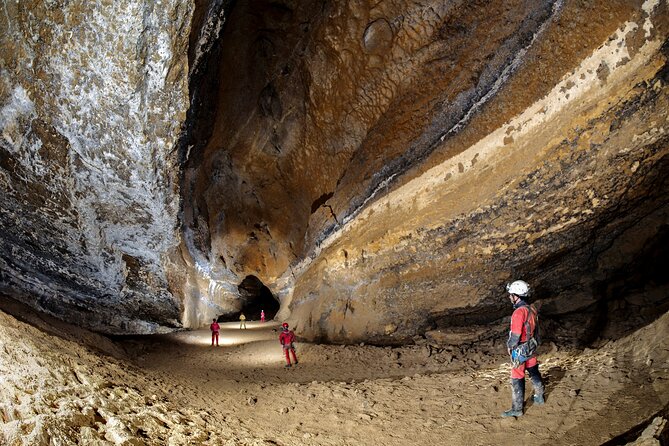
[256, 297]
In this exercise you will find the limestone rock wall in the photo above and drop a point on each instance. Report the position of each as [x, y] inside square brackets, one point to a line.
[574, 208]
[384, 167]
[569, 194]
[92, 98]
[318, 106]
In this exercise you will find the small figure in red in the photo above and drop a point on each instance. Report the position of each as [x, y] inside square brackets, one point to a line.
[214, 327]
[262, 315]
[521, 346]
[286, 338]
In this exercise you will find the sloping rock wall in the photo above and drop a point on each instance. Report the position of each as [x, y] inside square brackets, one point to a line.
[382, 167]
[92, 97]
[567, 195]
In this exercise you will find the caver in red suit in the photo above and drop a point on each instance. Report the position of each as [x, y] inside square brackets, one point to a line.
[286, 338]
[215, 328]
[523, 333]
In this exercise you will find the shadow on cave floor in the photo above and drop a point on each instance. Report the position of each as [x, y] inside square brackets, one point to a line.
[593, 405]
[552, 377]
[51, 325]
[634, 433]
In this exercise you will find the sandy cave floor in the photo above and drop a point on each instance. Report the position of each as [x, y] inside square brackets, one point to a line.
[177, 389]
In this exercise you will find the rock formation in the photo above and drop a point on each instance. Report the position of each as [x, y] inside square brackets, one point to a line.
[382, 168]
[93, 96]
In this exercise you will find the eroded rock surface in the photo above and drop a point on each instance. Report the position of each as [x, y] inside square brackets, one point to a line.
[92, 95]
[385, 168]
[381, 167]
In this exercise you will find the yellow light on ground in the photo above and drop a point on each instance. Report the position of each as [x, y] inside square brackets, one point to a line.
[260, 340]
[230, 334]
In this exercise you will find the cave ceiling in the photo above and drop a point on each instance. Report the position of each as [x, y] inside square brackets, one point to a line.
[383, 168]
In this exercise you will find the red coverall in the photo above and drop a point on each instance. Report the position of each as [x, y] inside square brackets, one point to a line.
[518, 327]
[214, 327]
[286, 338]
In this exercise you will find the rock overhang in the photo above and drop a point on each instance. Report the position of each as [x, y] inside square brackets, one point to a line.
[383, 169]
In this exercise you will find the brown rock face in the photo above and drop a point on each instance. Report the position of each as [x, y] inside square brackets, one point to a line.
[383, 168]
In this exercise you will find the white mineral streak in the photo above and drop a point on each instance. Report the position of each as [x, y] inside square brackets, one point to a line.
[422, 191]
[118, 87]
[106, 85]
[581, 84]
[208, 34]
[499, 82]
[16, 114]
[18, 107]
[213, 298]
[648, 7]
[508, 71]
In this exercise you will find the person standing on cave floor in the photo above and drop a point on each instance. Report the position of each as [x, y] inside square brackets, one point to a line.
[287, 338]
[242, 321]
[215, 328]
[521, 346]
[262, 315]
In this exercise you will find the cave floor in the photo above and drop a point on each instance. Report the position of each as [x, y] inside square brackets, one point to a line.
[177, 389]
[388, 396]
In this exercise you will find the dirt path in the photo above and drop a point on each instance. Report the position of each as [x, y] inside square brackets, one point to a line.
[388, 396]
[58, 387]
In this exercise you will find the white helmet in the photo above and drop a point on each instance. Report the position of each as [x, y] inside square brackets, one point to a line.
[519, 288]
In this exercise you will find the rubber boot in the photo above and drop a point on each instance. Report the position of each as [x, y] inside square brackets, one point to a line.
[517, 398]
[537, 384]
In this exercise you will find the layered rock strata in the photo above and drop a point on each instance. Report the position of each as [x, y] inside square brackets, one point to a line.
[92, 95]
[385, 168]
[570, 195]
[382, 168]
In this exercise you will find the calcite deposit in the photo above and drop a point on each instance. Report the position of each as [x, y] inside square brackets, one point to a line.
[93, 95]
[381, 168]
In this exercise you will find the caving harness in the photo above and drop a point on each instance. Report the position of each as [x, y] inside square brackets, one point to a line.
[525, 350]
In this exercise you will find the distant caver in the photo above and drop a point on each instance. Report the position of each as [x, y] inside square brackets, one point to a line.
[286, 338]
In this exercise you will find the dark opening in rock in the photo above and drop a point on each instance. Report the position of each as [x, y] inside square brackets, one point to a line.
[256, 297]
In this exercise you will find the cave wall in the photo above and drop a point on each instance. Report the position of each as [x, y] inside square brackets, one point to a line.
[383, 168]
[318, 106]
[569, 206]
[569, 195]
[92, 97]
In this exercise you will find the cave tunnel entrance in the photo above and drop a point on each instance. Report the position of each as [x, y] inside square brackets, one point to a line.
[256, 297]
